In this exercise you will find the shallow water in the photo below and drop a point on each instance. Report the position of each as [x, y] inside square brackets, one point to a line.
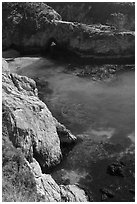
[101, 113]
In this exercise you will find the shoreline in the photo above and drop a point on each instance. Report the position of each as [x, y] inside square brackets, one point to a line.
[36, 62]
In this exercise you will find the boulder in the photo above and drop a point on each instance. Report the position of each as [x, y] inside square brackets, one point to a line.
[116, 169]
[65, 136]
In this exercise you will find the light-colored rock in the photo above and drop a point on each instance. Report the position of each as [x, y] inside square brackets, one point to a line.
[51, 191]
[5, 67]
[29, 121]
[72, 193]
[30, 124]
[45, 185]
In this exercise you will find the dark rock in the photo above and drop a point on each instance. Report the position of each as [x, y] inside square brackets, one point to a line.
[132, 191]
[122, 163]
[66, 182]
[104, 197]
[116, 169]
[70, 67]
[106, 193]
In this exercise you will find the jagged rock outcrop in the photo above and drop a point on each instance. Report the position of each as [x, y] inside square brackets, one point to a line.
[32, 129]
[65, 136]
[50, 191]
[30, 124]
[29, 31]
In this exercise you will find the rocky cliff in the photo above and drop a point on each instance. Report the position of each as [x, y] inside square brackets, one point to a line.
[31, 128]
[28, 28]
[121, 15]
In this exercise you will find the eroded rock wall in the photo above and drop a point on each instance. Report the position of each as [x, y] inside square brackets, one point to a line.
[32, 27]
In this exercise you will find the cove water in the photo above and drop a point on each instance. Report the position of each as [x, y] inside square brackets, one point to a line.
[100, 113]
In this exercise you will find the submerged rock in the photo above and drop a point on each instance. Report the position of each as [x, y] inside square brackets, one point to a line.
[106, 193]
[116, 169]
[132, 191]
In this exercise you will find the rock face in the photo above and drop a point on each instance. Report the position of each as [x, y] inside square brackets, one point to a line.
[119, 14]
[30, 123]
[32, 129]
[48, 189]
[26, 28]
[95, 41]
